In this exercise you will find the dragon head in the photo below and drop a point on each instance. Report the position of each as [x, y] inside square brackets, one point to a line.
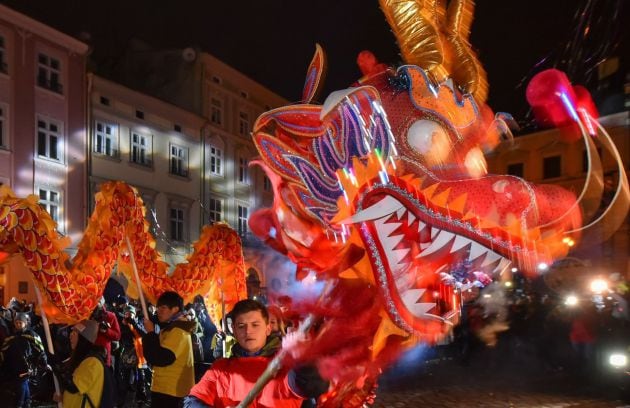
[386, 182]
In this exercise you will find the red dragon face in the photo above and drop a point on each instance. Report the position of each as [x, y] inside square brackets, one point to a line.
[386, 182]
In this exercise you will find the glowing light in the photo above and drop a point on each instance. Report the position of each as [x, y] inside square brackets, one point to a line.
[571, 300]
[568, 105]
[508, 284]
[475, 162]
[618, 360]
[543, 266]
[514, 269]
[487, 295]
[598, 285]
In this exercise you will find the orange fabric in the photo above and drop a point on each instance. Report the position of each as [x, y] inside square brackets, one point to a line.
[229, 380]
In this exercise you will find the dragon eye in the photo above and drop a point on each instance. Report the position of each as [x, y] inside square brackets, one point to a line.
[429, 139]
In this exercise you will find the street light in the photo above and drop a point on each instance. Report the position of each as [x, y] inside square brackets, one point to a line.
[571, 300]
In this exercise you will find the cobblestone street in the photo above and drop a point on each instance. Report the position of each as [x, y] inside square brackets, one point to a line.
[511, 377]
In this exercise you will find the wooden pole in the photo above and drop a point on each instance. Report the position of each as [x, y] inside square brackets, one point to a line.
[49, 343]
[143, 303]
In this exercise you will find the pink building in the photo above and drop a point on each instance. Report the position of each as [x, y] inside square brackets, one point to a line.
[42, 129]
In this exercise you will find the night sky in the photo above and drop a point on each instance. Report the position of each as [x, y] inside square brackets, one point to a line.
[273, 41]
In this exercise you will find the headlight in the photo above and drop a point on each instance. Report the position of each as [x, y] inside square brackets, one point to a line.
[618, 360]
[571, 300]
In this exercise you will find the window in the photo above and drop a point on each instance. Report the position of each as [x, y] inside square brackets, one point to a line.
[215, 212]
[266, 183]
[141, 149]
[49, 201]
[49, 73]
[139, 114]
[22, 287]
[4, 136]
[244, 94]
[4, 67]
[216, 111]
[106, 139]
[179, 160]
[216, 161]
[177, 224]
[552, 167]
[516, 169]
[243, 176]
[49, 139]
[105, 101]
[242, 220]
[243, 123]
[216, 79]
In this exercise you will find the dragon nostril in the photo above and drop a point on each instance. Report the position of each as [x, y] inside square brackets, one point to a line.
[429, 139]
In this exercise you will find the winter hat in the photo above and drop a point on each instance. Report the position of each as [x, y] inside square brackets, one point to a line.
[22, 316]
[87, 329]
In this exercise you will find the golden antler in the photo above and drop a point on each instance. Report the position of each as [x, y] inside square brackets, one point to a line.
[437, 40]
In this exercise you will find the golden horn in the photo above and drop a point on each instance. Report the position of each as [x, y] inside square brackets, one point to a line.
[418, 36]
[467, 71]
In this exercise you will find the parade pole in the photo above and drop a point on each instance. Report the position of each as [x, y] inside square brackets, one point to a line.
[137, 277]
[51, 348]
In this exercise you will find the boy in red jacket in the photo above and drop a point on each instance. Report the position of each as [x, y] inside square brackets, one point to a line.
[229, 380]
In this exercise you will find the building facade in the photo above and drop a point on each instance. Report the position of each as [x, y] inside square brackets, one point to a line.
[42, 129]
[155, 147]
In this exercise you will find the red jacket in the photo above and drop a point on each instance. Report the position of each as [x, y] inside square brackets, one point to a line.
[229, 380]
[105, 338]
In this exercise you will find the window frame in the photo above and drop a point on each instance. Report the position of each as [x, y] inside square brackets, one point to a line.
[216, 160]
[183, 170]
[242, 228]
[4, 126]
[215, 215]
[48, 133]
[48, 203]
[216, 111]
[243, 170]
[545, 160]
[243, 123]
[114, 139]
[46, 72]
[4, 61]
[148, 157]
[177, 234]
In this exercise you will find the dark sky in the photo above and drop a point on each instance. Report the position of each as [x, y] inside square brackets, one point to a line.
[272, 41]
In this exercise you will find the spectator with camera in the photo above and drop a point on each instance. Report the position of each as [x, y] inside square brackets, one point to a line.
[108, 329]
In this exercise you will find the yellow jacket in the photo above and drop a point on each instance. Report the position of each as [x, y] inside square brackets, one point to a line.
[89, 378]
[176, 376]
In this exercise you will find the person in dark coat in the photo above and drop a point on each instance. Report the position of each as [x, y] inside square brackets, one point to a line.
[21, 355]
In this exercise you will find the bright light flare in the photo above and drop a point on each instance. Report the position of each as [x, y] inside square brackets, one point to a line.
[618, 360]
[598, 285]
[571, 300]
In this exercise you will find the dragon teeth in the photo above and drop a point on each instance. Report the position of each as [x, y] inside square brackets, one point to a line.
[383, 208]
[439, 242]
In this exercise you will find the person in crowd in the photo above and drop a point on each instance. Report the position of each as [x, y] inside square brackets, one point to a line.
[132, 365]
[276, 321]
[229, 380]
[85, 379]
[109, 329]
[170, 352]
[209, 329]
[22, 354]
[223, 340]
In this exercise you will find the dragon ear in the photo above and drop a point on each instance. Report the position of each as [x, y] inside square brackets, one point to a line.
[314, 75]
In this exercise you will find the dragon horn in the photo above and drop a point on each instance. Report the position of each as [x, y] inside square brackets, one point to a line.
[418, 35]
[467, 70]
